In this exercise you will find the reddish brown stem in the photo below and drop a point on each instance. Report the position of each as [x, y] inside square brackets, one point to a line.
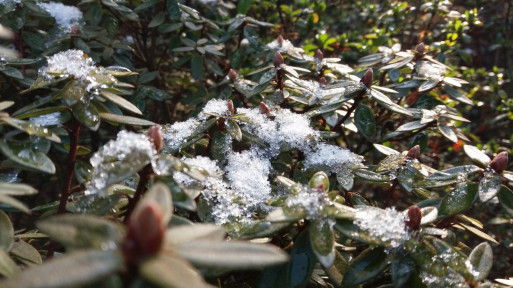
[144, 176]
[72, 158]
[357, 100]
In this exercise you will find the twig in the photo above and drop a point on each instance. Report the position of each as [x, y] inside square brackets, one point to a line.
[144, 176]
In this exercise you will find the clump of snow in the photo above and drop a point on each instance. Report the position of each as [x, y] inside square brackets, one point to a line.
[214, 106]
[175, 135]
[309, 201]
[385, 226]
[65, 16]
[331, 158]
[205, 163]
[69, 63]
[119, 159]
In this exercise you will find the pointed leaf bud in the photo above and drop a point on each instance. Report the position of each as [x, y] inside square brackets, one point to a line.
[145, 233]
[229, 103]
[414, 152]
[320, 180]
[420, 48]
[232, 75]
[280, 40]
[500, 162]
[278, 59]
[155, 136]
[264, 109]
[323, 82]
[414, 217]
[367, 78]
[318, 56]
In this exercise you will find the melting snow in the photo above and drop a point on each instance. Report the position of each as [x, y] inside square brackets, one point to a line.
[331, 158]
[383, 225]
[65, 16]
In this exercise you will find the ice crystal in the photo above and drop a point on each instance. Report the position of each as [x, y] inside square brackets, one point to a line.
[65, 16]
[205, 163]
[439, 274]
[69, 63]
[47, 119]
[175, 135]
[331, 158]
[282, 47]
[119, 159]
[383, 225]
[215, 106]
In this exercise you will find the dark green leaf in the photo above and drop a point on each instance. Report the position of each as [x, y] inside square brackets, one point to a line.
[459, 199]
[369, 264]
[243, 6]
[323, 242]
[12, 72]
[173, 9]
[302, 261]
[489, 186]
[26, 156]
[371, 176]
[233, 129]
[157, 20]
[402, 268]
[87, 115]
[410, 126]
[126, 120]
[197, 66]
[505, 196]
[88, 267]
[365, 121]
[481, 260]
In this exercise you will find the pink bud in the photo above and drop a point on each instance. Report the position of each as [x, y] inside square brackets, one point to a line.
[420, 48]
[264, 109]
[500, 162]
[367, 78]
[318, 55]
[414, 217]
[155, 136]
[323, 82]
[229, 103]
[414, 152]
[278, 59]
[232, 75]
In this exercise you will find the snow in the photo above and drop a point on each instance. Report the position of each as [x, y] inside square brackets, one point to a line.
[175, 135]
[65, 16]
[385, 226]
[309, 201]
[69, 63]
[119, 159]
[215, 106]
[331, 159]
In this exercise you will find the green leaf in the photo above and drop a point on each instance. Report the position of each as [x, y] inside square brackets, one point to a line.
[369, 264]
[371, 176]
[6, 232]
[505, 196]
[285, 215]
[447, 132]
[148, 76]
[80, 268]
[233, 129]
[16, 189]
[76, 231]
[489, 186]
[87, 115]
[410, 126]
[302, 261]
[187, 233]
[171, 272]
[26, 156]
[402, 268]
[243, 6]
[25, 253]
[12, 72]
[159, 193]
[476, 155]
[481, 260]
[126, 120]
[157, 20]
[173, 9]
[7, 266]
[230, 254]
[365, 121]
[14, 203]
[459, 199]
[197, 66]
[323, 242]
[121, 102]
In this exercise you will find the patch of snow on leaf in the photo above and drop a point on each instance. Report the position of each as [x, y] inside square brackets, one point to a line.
[175, 135]
[385, 226]
[331, 158]
[119, 159]
[310, 202]
[65, 16]
[69, 63]
[214, 106]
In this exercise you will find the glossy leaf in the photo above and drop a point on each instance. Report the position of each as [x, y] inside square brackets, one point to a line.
[233, 129]
[489, 186]
[447, 132]
[87, 115]
[371, 176]
[369, 264]
[126, 119]
[323, 242]
[171, 272]
[76, 231]
[302, 261]
[481, 260]
[14, 203]
[93, 265]
[505, 196]
[459, 199]
[365, 121]
[121, 102]
[477, 155]
[187, 233]
[25, 156]
[402, 269]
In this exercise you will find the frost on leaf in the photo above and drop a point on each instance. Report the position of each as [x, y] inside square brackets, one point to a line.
[175, 135]
[65, 16]
[310, 202]
[384, 226]
[118, 160]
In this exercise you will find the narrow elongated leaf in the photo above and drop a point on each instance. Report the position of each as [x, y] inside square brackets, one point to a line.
[447, 132]
[402, 269]
[410, 126]
[6, 104]
[481, 260]
[230, 254]
[6, 232]
[429, 215]
[88, 266]
[25, 156]
[16, 189]
[385, 150]
[233, 129]
[25, 253]
[457, 95]
[371, 176]
[477, 155]
[159, 193]
[14, 203]
[187, 233]
[7, 266]
[157, 20]
[369, 264]
[126, 119]
[323, 242]
[302, 261]
[82, 231]
[121, 102]
[171, 272]
[173, 9]
[87, 115]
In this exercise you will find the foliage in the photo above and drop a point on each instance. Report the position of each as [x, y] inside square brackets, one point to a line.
[324, 144]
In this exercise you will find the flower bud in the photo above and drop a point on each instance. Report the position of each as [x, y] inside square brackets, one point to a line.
[320, 180]
[414, 217]
[145, 233]
[155, 136]
[323, 82]
[367, 78]
[318, 56]
[414, 152]
[500, 162]
[232, 75]
[229, 103]
[280, 40]
[278, 59]
[264, 109]
[420, 48]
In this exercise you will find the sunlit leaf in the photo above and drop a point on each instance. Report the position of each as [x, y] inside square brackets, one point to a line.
[7, 232]
[26, 156]
[171, 272]
[126, 119]
[481, 260]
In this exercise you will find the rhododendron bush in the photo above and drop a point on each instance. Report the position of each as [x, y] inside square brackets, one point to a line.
[255, 144]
